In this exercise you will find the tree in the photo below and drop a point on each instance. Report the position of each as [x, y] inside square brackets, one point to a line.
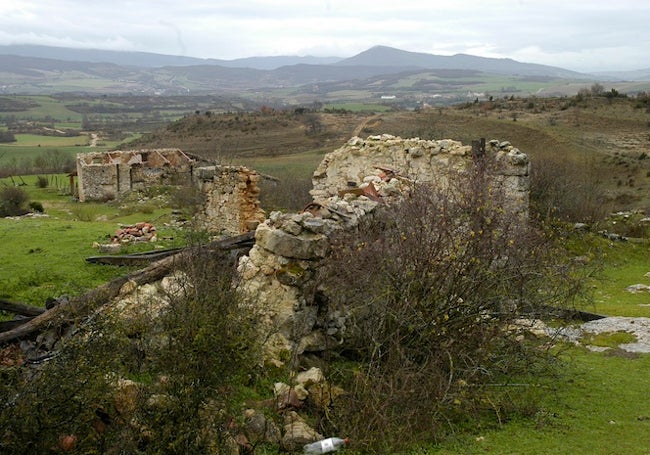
[597, 89]
[7, 136]
[313, 124]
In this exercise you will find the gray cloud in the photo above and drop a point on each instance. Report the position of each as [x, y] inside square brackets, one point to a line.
[578, 34]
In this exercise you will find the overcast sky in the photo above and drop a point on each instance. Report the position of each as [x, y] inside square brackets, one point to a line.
[581, 35]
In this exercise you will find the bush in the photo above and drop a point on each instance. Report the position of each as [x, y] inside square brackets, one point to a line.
[42, 181]
[36, 206]
[189, 199]
[13, 201]
[431, 286]
[291, 193]
[146, 383]
[568, 190]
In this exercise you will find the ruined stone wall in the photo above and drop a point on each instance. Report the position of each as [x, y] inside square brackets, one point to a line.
[350, 183]
[391, 162]
[278, 276]
[232, 203]
[108, 175]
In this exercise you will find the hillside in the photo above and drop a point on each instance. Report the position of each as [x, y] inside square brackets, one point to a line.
[601, 139]
[257, 134]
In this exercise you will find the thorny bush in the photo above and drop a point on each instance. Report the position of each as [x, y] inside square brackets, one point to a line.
[433, 286]
[148, 382]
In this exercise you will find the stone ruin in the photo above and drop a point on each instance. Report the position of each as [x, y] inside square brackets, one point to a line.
[350, 183]
[104, 176]
[231, 193]
[278, 274]
[277, 279]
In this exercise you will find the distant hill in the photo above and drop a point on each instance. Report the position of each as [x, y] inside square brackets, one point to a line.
[151, 60]
[388, 56]
[381, 70]
[636, 75]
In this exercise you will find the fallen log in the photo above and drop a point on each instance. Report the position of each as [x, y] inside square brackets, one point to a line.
[132, 259]
[12, 324]
[82, 305]
[20, 308]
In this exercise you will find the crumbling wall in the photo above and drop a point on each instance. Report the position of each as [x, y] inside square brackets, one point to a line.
[231, 193]
[394, 161]
[108, 175]
[232, 203]
[350, 183]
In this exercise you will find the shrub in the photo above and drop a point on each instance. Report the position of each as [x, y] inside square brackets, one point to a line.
[290, 193]
[431, 289]
[569, 190]
[42, 181]
[13, 201]
[146, 383]
[36, 206]
[189, 199]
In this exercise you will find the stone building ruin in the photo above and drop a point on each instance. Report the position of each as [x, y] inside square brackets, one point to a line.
[231, 205]
[277, 277]
[104, 176]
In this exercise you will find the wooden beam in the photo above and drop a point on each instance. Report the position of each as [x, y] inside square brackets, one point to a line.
[20, 308]
[95, 298]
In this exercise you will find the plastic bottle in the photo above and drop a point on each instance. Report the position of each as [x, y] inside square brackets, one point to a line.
[326, 445]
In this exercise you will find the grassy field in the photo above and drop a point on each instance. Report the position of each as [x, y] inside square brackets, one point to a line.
[595, 406]
[598, 406]
[45, 256]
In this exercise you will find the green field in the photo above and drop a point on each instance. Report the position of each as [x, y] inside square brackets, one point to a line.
[598, 406]
[595, 406]
[45, 256]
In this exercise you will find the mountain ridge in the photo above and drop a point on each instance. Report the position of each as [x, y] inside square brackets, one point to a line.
[374, 72]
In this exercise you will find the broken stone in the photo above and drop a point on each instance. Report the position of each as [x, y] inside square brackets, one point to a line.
[259, 428]
[636, 288]
[297, 433]
[312, 376]
[305, 246]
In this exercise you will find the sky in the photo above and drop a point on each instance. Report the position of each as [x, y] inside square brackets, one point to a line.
[580, 35]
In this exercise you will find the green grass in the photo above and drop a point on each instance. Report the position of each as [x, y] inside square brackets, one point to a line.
[598, 406]
[35, 140]
[48, 107]
[287, 166]
[45, 256]
[608, 339]
[625, 264]
[599, 403]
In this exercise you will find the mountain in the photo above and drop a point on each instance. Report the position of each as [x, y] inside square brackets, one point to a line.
[271, 63]
[370, 74]
[388, 56]
[151, 60]
[635, 75]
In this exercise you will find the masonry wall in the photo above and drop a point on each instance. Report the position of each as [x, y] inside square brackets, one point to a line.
[350, 183]
[108, 175]
[232, 203]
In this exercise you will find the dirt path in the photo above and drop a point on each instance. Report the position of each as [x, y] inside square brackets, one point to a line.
[359, 129]
[94, 138]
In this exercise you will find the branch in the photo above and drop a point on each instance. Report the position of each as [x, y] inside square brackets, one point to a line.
[103, 294]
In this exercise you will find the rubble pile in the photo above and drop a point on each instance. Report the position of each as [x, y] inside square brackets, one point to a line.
[139, 232]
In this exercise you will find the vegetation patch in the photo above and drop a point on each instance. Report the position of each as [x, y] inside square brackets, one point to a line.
[608, 339]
